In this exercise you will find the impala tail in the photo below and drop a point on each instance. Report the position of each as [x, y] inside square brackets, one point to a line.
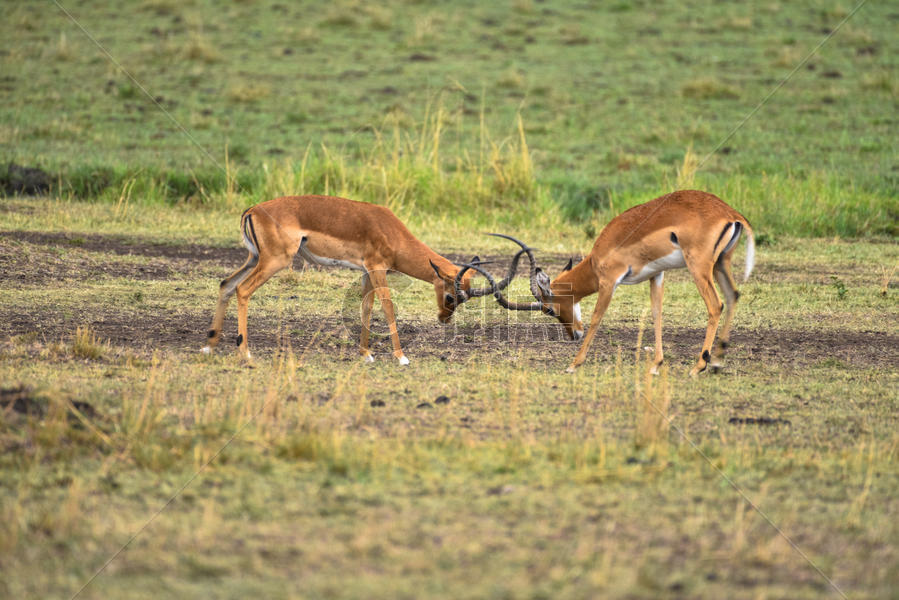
[249, 234]
[249, 240]
[750, 252]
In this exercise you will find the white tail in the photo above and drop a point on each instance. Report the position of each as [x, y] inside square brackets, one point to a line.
[750, 254]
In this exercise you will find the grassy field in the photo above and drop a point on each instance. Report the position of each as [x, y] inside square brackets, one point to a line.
[313, 474]
[481, 470]
[419, 104]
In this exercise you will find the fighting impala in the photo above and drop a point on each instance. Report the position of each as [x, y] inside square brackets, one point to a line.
[691, 229]
[333, 231]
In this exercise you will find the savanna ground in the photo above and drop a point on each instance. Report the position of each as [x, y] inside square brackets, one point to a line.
[480, 470]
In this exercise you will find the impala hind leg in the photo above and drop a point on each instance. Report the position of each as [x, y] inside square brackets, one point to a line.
[725, 278]
[368, 298]
[703, 280]
[226, 290]
[260, 274]
[655, 297]
[379, 282]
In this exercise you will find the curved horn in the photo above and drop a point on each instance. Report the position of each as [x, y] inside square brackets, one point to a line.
[471, 293]
[501, 298]
[513, 268]
[529, 251]
[478, 292]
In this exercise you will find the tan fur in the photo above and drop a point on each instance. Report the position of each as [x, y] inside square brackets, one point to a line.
[641, 235]
[366, 235]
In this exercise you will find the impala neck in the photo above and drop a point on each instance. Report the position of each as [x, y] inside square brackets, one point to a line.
[414, 262]
[578, 282]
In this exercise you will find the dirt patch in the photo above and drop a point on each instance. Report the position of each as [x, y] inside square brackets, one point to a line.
[535, 343]
[36, 257]
[65, 262]
[131, 245]
[758, 421]
[43, 265]
[225, 255]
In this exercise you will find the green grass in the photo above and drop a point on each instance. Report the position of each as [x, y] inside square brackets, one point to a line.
[418, 106]
[528, 483]
[312, 474]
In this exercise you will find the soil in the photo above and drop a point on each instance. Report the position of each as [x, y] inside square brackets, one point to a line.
[530, 338]
[67, 256]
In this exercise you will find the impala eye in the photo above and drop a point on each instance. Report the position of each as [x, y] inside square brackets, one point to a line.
[449, 300]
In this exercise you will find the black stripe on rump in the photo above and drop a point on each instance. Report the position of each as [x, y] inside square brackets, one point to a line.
[720, 237]
[253, 232]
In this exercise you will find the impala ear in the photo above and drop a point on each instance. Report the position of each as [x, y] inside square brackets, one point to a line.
[436, 269]
[569, 265]
[544, 284]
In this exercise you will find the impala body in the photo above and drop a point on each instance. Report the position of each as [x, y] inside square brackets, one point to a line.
[334, 231]
[685, 229]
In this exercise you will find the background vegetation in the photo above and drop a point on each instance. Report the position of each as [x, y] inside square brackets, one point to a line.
[583, 108]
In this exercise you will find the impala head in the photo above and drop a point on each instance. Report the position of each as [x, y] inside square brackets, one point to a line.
[554, 298]
[556, 295]
[453, 287]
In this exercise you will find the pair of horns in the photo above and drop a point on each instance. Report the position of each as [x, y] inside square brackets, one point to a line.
[497, 288]
[460, 294]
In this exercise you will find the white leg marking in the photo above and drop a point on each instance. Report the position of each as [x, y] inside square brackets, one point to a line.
[404, 361]
[369, 358]
[206, 350]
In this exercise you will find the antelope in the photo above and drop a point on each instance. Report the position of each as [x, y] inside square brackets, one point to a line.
[691, 229]
[332, 231]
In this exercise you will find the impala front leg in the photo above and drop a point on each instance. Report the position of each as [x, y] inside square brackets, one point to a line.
[656, 290]
[602, 303]
[379, 281]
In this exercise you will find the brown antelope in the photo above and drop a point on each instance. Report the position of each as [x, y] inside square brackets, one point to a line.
[338, 232]
[689, 229]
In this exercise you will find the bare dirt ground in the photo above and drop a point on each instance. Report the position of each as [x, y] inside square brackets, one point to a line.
[34, 258]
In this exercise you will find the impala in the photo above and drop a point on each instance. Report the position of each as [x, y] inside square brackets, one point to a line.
[333, 231]
[689, 229]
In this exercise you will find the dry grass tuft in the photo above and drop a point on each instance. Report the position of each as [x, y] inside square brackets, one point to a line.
[787, 57]
[424, 31]
[512, 79]
[885, 278]
[708, 88]
[248, 92]
[63, 51]
[86, 344]
[200, 49]
[881, 81]
[737, 23]
[686, 172]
